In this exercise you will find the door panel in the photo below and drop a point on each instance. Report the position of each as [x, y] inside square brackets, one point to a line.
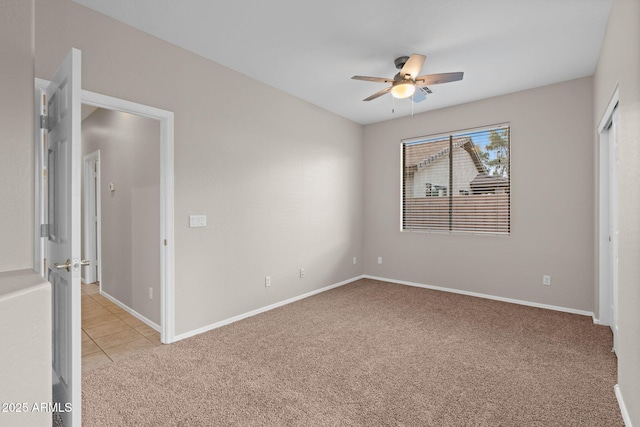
[60, 319]
[63, 242]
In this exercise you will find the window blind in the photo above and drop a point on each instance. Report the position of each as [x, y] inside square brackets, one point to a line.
[458, 182]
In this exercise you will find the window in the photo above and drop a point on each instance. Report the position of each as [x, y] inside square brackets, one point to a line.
[457, 182]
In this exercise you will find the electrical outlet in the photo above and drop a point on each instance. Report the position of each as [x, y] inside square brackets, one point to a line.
[546, 280]
[379, 260]
[355, 260]
[301, 273]
[267, 281]
[150, 293]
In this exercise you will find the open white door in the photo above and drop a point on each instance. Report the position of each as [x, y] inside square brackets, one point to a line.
[91, 227]
[613, 224]
[63, 159]
[609, 232]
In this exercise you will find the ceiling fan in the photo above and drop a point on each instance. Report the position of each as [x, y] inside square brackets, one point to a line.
[407, 83]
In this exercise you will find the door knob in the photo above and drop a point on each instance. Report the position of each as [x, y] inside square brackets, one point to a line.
[67, 265]
[76, 265]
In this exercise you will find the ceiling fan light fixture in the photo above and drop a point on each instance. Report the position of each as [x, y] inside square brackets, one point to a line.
[403, 90]
[405, 83]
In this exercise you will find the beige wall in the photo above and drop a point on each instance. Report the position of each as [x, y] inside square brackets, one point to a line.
[129, 157]
[25, 302]
[551, 203]
[619, 64]
[16, 143]
[280, 180]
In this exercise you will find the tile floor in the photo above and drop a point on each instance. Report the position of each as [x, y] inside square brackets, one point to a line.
[110, 333]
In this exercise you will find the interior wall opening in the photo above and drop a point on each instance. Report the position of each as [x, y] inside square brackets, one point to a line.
[123, 151]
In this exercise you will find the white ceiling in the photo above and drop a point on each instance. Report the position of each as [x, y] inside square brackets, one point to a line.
[311, 49]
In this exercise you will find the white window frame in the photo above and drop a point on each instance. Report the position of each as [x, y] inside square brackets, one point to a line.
[450, 193]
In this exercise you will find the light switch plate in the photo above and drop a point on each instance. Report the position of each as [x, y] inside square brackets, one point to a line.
[197, 220]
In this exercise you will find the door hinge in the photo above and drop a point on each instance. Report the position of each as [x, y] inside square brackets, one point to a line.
[44, 122]
[44, 230]
[165, 242]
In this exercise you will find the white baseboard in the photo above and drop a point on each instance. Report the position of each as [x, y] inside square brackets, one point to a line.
[623, 408]
[261, 310]
[479, 295]
[131, 311]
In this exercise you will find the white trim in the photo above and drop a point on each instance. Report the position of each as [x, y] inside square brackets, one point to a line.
[602, 229]
[262, 309]
[131, 311]
[38, 158]
[623, 408]
[606, 276]
[486, 296]
[606, 117]
[167, 258]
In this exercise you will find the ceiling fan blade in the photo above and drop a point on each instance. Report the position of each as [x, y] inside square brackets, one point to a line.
[373, 79]
[413, 65]
[378, 94]
[436, 79]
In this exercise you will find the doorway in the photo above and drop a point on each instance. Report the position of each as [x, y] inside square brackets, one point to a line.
[608, 218]
[91, 206]
[122, 151]
[165, 241]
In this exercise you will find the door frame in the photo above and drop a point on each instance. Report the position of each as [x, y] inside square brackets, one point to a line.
[167, 253]
[607, 304]
[89, 187]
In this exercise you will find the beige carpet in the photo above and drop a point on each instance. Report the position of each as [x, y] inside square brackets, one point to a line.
[370, 354]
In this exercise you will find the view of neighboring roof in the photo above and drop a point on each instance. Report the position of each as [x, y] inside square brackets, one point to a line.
[419, 156]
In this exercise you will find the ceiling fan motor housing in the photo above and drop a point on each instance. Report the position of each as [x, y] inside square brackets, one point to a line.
[401, 61]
